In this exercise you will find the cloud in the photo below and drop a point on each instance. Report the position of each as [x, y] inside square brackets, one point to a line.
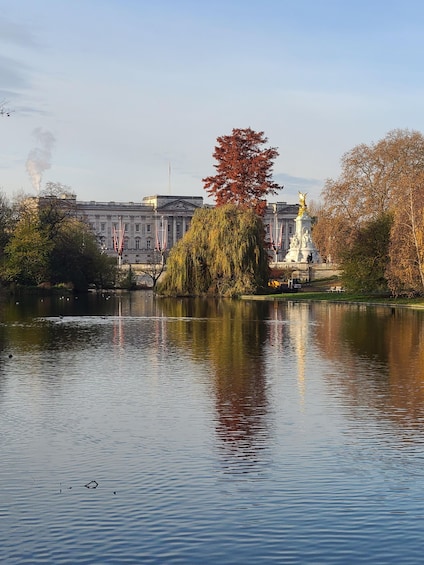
[16, 34]
[13, 75]
[293, 185]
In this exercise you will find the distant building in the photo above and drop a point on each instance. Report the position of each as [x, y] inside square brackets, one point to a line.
[279, 220]
[160, 221]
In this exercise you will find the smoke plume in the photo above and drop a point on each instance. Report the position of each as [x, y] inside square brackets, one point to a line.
[39, 157]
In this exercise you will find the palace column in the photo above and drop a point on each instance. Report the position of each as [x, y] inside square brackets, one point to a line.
[174, 230]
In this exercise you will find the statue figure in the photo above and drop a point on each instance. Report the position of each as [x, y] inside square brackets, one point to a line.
[295, 242]
[306, 238]
[302, 201]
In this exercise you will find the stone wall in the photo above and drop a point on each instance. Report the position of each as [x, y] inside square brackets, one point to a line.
[317, 271]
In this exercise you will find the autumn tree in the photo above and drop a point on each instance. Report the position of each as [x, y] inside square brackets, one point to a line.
[223, 253]
[406, 269]
[331, 232]
[244, 170]
[28, 250]
[383, 178]
[370, 185]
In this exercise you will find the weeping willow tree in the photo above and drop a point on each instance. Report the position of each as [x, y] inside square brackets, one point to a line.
[223, 253]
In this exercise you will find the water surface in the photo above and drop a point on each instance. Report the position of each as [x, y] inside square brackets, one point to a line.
[143, 430]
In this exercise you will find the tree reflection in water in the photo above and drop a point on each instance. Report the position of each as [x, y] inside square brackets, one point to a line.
[231, 336]
[379, 355]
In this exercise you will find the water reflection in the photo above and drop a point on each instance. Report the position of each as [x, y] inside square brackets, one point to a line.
[297, 427]
[379, 355]
[230, 336]
[376, 354]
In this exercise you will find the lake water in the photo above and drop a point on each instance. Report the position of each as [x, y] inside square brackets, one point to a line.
[143, 430]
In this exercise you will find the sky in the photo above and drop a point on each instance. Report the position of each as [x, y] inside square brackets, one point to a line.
[121, 99]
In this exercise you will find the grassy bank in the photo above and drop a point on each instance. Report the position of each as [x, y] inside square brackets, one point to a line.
[319, 293]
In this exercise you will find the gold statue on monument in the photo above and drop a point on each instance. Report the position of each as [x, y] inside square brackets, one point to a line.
[302, 202]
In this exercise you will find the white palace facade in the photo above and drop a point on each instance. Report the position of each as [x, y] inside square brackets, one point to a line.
[158, 222]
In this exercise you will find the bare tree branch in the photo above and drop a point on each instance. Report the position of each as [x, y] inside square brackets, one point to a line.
[4, 110]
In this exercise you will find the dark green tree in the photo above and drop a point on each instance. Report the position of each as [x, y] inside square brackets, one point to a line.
[127, 279]
[6, 223]
[365, 261]
[50, 245]
[76, 258]
[223, 254]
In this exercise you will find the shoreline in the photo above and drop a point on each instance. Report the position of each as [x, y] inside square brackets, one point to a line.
[414, 304]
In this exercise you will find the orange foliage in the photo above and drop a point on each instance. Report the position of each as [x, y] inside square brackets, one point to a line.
[244, 170]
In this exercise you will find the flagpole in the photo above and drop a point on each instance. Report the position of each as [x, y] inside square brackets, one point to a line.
[169, 177]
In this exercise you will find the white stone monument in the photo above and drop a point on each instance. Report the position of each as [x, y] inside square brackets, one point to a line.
[302, 248]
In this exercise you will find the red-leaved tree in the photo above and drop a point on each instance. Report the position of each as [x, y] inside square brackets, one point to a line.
[244, 170]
